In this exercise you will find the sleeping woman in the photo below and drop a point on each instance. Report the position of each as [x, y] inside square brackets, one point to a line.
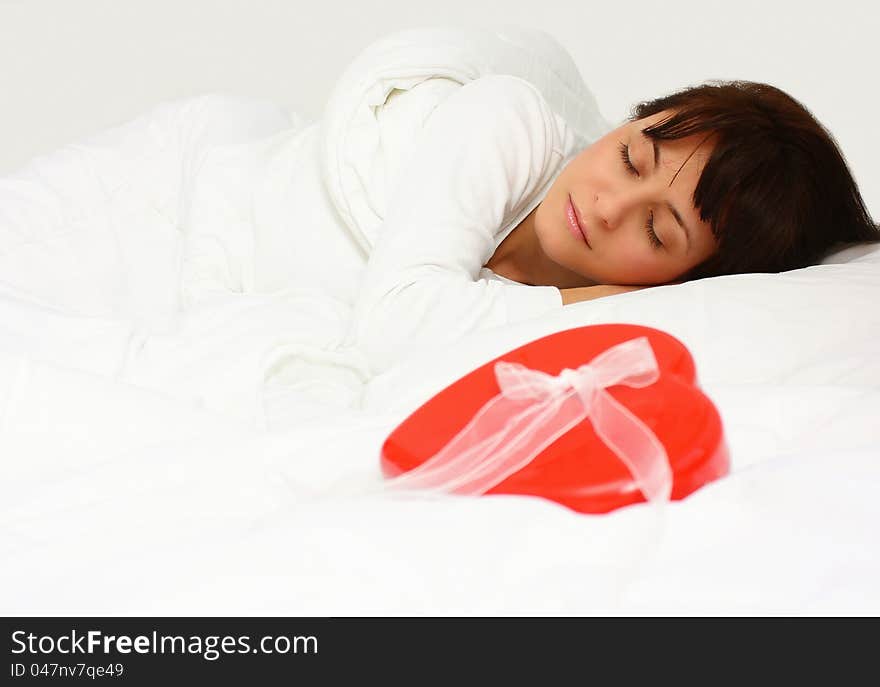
[502, 212]
[495, 209]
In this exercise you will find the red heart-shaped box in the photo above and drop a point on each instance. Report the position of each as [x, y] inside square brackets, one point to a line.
[578, 470]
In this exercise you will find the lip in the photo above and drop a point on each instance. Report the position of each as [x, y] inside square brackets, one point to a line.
[574, 222]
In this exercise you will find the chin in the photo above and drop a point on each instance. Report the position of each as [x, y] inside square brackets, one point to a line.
[568, 274]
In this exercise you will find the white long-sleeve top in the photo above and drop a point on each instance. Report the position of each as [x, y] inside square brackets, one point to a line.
[485, 159]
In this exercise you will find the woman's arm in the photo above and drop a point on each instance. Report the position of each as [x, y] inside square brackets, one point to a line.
[484, 152]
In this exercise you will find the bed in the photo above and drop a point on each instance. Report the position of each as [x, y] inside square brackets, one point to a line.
[151, 465]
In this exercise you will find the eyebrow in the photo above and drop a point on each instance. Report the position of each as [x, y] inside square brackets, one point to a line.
[669, 205]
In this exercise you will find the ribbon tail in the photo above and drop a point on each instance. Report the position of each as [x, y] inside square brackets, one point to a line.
[526, 440]
[635, 444]
[468, 449]
[480, 467]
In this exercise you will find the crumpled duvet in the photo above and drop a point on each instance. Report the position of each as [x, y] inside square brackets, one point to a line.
[210, 249]
[133, 255]
[353, 143]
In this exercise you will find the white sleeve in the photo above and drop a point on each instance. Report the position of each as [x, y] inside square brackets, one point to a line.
[483, 154]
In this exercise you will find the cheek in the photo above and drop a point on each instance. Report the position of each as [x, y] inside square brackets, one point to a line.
[637, 264]
[584, 166]
[640, 260]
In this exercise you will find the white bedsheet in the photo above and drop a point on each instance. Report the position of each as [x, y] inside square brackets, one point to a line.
[179, 437]
[209, 520]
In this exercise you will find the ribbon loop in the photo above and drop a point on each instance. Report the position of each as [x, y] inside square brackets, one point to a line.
[631, 362]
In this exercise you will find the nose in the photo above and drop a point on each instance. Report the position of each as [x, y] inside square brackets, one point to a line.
[613, 206]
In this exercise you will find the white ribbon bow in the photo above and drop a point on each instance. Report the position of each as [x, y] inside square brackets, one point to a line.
[534, 409]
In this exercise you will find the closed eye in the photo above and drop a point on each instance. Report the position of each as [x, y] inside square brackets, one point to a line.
[652, 235]
[627, 162]
[631, 168]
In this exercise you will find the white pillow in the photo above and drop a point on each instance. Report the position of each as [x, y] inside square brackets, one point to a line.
[814, 326]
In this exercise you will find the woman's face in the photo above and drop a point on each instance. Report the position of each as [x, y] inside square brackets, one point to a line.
[640, 223]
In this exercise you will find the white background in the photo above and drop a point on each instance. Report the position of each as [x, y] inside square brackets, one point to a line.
[71, 67]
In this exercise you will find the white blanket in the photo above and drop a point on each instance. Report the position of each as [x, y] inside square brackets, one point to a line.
[353, 154]
[136, 255]
[183, 430]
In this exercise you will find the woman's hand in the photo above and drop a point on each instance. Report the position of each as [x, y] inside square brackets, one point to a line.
[588, 293]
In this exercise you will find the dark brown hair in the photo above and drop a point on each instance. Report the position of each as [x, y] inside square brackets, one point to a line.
[776, 189]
